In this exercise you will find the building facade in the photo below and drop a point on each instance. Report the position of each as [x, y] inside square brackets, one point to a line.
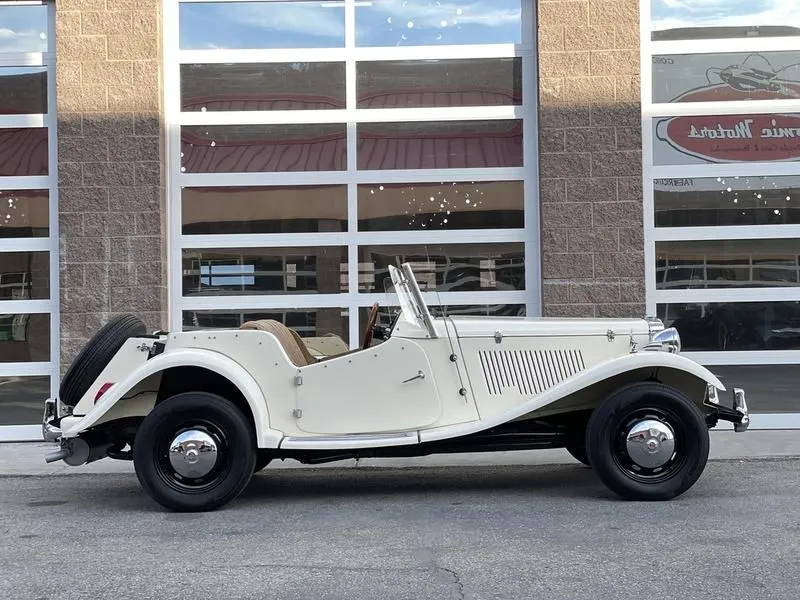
[202, 163]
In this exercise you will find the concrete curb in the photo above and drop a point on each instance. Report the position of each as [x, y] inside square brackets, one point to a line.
[27, 459]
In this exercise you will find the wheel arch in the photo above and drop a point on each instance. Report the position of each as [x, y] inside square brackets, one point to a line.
[183, 370]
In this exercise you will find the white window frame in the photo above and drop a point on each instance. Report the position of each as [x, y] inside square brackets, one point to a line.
[350, 55]
[51, 306]
[651, 172]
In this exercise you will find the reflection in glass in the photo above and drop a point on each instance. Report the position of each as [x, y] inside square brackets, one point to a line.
[440, 145]
[23, 90]
[421, 22]
[267, 86]
[700, 139]
[24, 29]
[705, 326]
[22, 399]
[439, 83]
[456, 205]
[446, 267]
[24, 213]
[727, 264]
[311, 322]
[273, 209]
[24, 276]
[24, 338]
[253, 25]
[247, 271]
[263, 148]
[724, 77]
[772, 388]
[23, 152]
[739, 200]
[671, 20]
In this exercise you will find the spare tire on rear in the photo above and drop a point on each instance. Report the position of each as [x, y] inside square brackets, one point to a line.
[95, 356]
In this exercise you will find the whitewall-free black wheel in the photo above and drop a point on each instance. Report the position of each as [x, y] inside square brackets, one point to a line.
[194, 452]
[648, 441]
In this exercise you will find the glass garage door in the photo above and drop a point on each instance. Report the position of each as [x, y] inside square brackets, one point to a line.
[313, 144]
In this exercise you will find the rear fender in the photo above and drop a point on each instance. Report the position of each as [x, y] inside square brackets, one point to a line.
[183, 357]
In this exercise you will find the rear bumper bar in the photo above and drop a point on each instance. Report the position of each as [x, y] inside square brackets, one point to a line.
[738, 413]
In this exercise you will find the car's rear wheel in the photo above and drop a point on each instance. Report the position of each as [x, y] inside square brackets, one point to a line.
[194, 452]
[648, 441]
[95, 356]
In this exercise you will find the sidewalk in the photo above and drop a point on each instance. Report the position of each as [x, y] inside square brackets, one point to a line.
[28, 458]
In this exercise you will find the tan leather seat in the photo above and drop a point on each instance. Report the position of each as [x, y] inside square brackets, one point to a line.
[290, 340]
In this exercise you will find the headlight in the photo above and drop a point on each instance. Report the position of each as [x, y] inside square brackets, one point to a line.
[668, 340]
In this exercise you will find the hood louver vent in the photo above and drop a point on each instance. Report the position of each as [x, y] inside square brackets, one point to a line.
[528, 372]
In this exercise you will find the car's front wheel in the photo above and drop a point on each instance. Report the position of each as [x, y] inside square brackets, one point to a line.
[648, 441]
[194, 452]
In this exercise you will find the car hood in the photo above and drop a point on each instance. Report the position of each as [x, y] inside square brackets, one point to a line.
[467, 326]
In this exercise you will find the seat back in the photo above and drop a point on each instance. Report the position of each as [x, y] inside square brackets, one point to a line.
[290, 340]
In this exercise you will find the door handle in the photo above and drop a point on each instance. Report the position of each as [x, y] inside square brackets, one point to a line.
[419, 375]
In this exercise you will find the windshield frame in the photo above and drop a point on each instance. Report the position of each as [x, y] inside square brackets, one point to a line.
[412, 305]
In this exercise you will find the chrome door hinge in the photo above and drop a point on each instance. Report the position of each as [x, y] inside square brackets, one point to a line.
[298, 380]
[297, 413]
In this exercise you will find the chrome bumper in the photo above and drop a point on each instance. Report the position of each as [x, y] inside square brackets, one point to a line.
[51, 432]
[738, 414]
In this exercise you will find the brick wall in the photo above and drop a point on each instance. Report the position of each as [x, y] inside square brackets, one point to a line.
[590, 145]
[111, 193]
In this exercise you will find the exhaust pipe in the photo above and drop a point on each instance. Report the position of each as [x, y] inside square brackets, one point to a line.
[55, 455]
[78, 451]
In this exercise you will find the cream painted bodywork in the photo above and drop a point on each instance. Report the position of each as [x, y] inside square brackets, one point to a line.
[433, 379]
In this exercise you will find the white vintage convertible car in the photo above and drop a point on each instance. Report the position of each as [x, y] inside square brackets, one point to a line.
[199, 412]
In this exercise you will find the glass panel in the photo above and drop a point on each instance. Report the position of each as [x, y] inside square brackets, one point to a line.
[291, 24]
[729, 138]
[308, 322]
[246, 271]
[671, 20]
[24, 213]
[438, 83]
[24, 338]
[723, 77]
[442, 145]
[773, 388]
[24, 275]
[710, 327]
[263, 148]
[446, 267]
[23, 152]
[296, 209]
[22, 399]
[23, 90]
[24, 29]
[466, 205]
[740, 200]
[727, 264]
[271, 86]
[420, 22]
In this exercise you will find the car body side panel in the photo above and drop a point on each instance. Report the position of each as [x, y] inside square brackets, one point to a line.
[180, 357]
[571, 385]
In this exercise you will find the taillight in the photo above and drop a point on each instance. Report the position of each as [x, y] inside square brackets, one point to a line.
[103, 389]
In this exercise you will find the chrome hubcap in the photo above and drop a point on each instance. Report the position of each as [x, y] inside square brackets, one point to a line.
[193, 453]
[650, 443]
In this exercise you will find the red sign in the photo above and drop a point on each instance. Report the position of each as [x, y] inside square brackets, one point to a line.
[734, 138]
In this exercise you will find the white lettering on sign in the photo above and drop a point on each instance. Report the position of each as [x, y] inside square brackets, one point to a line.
[780, 132]
[738, 131]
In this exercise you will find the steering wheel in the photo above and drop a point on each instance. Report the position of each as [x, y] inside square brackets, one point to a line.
[371, 321]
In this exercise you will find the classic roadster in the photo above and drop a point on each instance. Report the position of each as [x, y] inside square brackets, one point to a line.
[199, 412]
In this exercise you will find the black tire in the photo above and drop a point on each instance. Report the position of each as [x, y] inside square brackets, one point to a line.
[95, 356]
[607, 449]
[262, 460]
[578, 452]
[218, 418]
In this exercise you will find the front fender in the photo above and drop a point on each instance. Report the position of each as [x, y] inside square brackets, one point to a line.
[184, 357]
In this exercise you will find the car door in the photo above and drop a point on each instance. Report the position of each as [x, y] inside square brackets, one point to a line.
[389, 387]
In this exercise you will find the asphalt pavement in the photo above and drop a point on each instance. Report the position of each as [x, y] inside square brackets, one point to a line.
[440, 532]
